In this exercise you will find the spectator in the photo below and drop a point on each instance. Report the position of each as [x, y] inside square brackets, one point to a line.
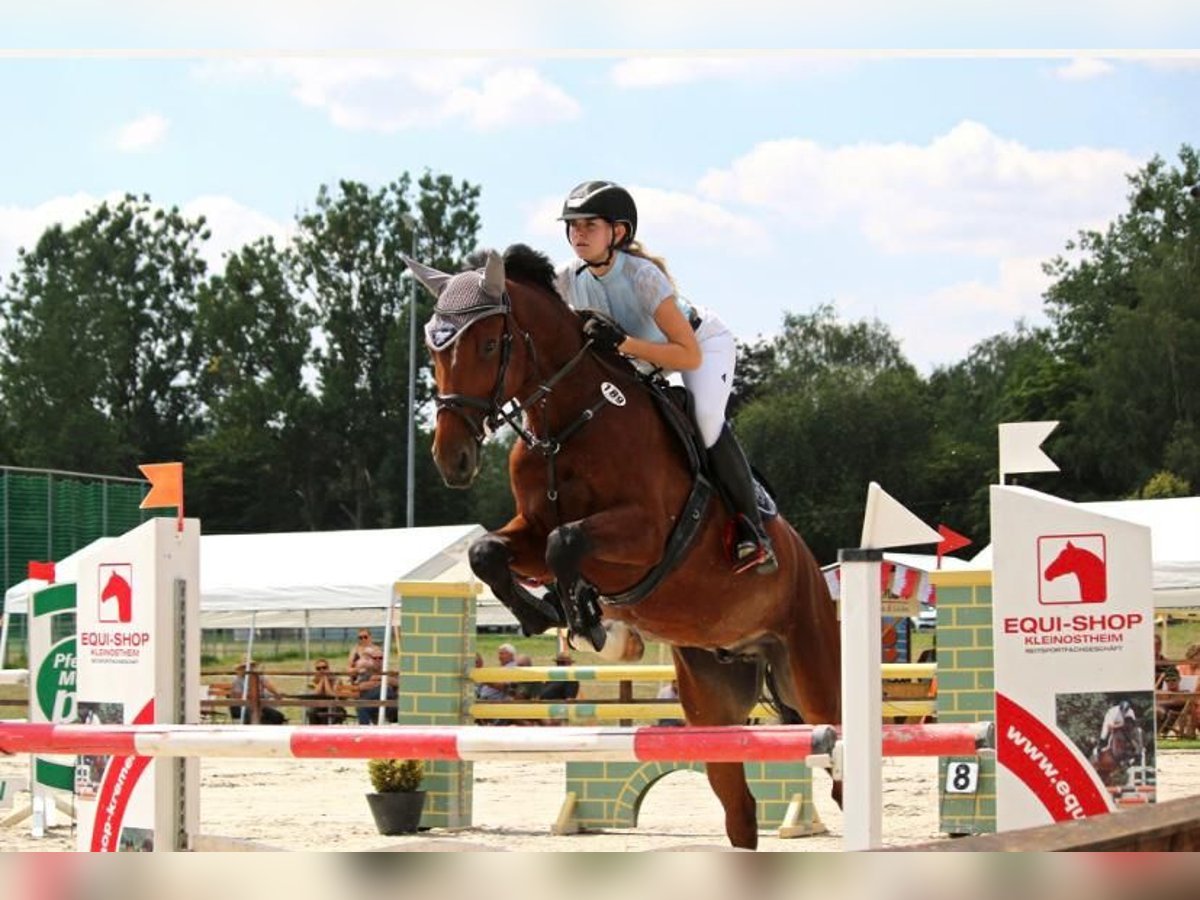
[370, 687]
[499, 692]
[1191, 663]
[359, 652]
[324, 684]
[524, 690]
[559, 691]
[1167, 710]
[238, 690]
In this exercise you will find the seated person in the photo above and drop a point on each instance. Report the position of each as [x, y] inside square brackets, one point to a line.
[360, 651]
[559, 691]
[524, 690]
[369, 682]
[268, 715]
[1168, 709]
[500, 692]
[1191, 661]
[324, 684]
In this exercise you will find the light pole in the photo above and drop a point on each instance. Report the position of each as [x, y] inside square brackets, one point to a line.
[411, 223]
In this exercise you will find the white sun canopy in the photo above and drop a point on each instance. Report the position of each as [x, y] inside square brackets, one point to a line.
[307, 578]
[1174, 525]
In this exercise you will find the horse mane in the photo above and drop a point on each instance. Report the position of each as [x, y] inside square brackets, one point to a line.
[521, 263]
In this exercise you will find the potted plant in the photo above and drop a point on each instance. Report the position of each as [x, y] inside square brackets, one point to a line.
[398, 799]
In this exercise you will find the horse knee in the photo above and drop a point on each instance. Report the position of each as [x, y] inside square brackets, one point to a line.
[489, 559]
[566, 547]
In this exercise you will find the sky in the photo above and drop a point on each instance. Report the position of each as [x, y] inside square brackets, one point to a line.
[915, 163]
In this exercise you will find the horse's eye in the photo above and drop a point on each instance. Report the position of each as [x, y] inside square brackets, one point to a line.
[490, 346]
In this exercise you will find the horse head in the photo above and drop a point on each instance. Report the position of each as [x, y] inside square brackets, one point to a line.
[491, 333]
[1066, 562]
[470, 339]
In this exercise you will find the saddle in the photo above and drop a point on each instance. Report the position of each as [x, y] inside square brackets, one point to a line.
[675, 405]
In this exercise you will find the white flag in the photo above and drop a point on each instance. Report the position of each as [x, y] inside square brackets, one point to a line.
[886, 523]
[1021, 448]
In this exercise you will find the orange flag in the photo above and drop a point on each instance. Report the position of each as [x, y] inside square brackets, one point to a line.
[166, 485]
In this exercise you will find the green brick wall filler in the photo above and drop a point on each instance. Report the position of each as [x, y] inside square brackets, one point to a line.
[965, 692]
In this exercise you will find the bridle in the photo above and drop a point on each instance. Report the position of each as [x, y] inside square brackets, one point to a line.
[484, 416]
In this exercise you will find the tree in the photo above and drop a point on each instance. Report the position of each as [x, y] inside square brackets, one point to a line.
[252, 469]
[96, 350]
[349, 265]
[843, 408]
[1127, 328]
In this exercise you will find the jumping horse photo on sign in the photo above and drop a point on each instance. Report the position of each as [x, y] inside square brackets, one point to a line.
[614, 515]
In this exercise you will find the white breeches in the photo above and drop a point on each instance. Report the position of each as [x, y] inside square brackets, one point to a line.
[711, 384]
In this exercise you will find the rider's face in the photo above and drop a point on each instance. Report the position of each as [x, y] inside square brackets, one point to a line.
[590, 238]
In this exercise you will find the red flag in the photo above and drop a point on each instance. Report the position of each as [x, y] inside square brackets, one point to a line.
[951, 541]
[42, 571]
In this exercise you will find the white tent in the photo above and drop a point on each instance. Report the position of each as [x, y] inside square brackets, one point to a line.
[308, 578]
[1174, 544]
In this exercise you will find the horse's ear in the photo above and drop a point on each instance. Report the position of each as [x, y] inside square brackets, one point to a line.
[493, 275]
[435, 282]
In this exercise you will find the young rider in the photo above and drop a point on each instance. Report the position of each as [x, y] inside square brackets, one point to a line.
[614, 275]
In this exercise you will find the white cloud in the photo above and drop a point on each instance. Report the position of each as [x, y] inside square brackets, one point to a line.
[967, 192]
[1083, 68]
[388, 95]
[941, 326]
[231, 223]
[21, 227]
[142, 134]
[668, 220]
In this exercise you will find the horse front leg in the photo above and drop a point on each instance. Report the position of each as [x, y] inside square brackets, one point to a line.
[617, 540]
[494, 557]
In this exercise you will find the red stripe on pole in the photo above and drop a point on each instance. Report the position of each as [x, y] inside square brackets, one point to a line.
[942, 739]
[781, 743]
[21, 737]
[322, 742]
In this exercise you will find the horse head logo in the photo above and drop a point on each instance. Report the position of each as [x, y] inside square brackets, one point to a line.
[1089, 569]
[116, 595]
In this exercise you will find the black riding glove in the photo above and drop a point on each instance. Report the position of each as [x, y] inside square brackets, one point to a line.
[604, 333]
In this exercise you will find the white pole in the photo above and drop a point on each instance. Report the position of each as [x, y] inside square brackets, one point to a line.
[4, 635]
[246, 678]
[410, 463]
[862, 728]
[387, 649]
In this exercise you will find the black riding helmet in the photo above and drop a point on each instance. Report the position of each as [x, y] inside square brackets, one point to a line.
[602, 200]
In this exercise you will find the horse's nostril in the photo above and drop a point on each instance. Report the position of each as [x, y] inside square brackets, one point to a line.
[464, 462]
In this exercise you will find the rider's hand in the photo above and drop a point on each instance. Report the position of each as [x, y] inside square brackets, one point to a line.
[604, 333]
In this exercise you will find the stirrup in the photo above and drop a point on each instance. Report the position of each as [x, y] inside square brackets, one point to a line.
[759, 557]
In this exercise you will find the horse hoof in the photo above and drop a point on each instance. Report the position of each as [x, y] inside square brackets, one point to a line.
[612, 641]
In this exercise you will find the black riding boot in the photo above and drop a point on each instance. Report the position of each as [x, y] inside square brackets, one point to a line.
[752, 547]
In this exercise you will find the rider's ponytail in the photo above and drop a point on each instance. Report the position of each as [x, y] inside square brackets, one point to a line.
[635, 248]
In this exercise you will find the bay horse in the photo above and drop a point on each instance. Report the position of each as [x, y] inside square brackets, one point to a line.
[600, 481]
[1125, 750]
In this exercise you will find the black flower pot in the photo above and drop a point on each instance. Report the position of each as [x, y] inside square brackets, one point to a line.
[397, 812]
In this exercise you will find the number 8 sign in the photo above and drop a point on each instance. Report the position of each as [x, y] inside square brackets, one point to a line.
[962, 777]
